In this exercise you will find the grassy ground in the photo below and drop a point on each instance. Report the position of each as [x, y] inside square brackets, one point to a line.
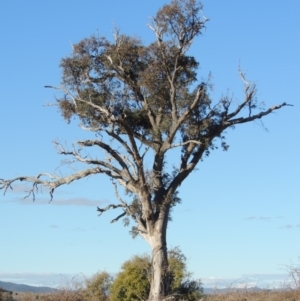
[291, 295]
[67, 295]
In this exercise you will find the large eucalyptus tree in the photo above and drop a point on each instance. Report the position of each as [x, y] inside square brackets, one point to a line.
[143, 101]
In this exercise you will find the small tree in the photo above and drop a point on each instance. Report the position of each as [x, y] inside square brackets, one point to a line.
[294, 275]
[190, 289]
[143, 101]
[182, 285]
[97, 288]
[133, 281]
[177, 268]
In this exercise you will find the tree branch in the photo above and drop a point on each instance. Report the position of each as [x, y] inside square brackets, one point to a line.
[109, 150]
[113, 206]
[183, 117]
[120, 140]
[185, 170]
[118, 217]
[249, 90]
[152, 120]
[256, 116]
[52, 185]
[128, 211]
[185, 143]
[79, 158]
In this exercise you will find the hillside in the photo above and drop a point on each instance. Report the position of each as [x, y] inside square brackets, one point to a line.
[9, 286]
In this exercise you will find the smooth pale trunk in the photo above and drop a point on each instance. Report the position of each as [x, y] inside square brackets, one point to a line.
[159, 282]
[160, 276]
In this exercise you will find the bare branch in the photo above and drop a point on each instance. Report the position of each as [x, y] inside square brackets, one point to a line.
[118, 217]
[185, 143]
[205, 19]
[132, 168]
[186, 156]
[66, 91]
[151, 119]
[52, 185]
[76, 154]
[53, 87]
[106, 112]
[109, 150]
[153, 144]
[183, 117]
[121, 141]
[249, 90]
[128, 210]
[256, 116]
[118, 196]
[92, 129]
[110, 206]
[50, 104]
[134, 148]
[185, 170]
[242, 75]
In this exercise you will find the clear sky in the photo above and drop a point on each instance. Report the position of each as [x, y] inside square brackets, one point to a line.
[239, 218]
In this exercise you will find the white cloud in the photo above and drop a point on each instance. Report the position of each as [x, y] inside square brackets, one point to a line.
[61, 201]
[77, 202]
[42, 196]
[247, 281]
[262, 218]
[24, 189]
[290, 226]
[77, 229]
[250, 218]
[287, 227]
[54, 226]
[265, 218]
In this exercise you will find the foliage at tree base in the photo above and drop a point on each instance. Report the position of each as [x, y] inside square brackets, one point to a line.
[133, 281]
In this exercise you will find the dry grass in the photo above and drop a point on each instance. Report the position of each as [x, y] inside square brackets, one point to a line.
[75, 291]
[78, 295]
[68, 291]
[61, 295]
[268, 295]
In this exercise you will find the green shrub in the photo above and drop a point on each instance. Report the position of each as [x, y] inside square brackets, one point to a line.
[97, 288]
[133, 281]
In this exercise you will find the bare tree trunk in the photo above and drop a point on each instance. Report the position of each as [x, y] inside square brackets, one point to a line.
[159, 266]
[160, 280]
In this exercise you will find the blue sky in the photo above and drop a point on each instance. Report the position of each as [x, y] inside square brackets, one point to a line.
[239, 218]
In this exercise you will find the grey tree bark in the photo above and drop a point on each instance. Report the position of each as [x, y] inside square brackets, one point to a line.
[157, 239]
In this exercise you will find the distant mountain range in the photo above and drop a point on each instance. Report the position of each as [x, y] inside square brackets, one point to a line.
[212, 291]
[19, 288]
[13, 287]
